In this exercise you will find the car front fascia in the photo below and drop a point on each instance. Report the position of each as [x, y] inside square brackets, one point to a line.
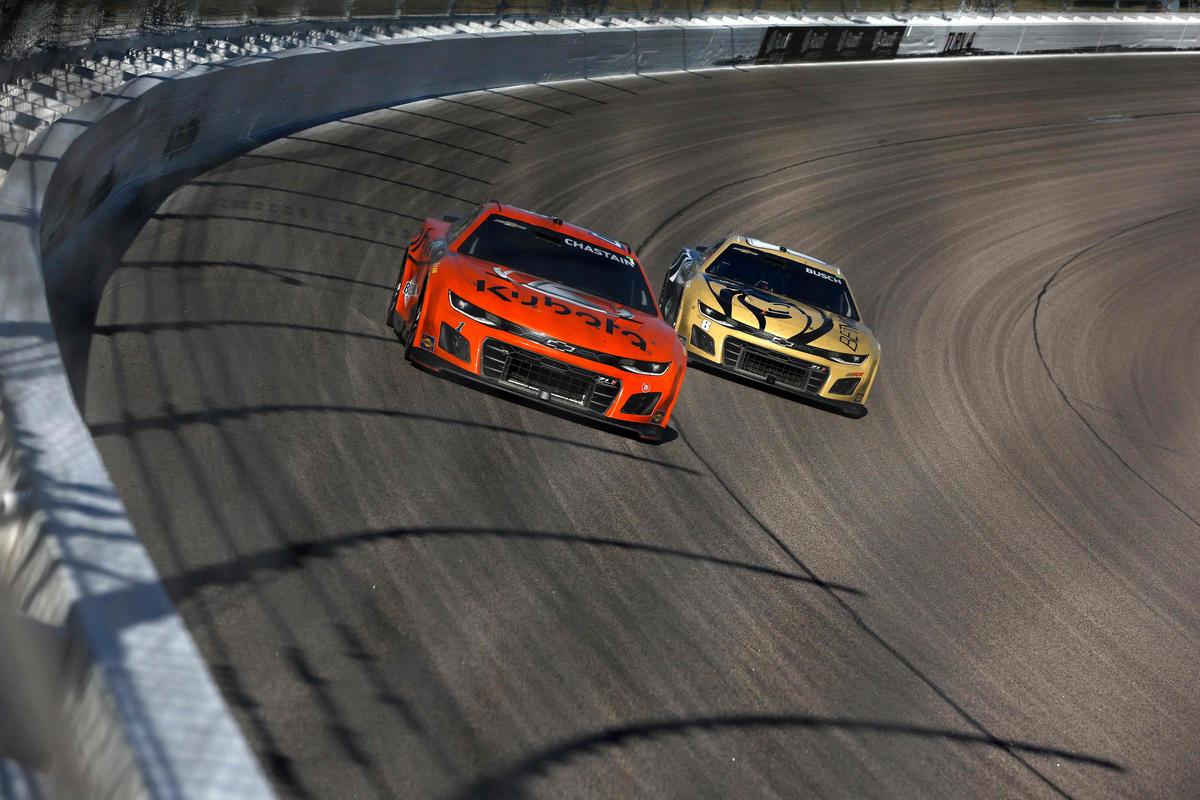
[429, 351]
[494, 320]
[693, 316]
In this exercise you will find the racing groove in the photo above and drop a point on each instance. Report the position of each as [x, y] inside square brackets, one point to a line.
[408, 587]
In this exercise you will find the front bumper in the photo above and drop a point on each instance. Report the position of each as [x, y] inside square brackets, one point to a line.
[546, 376]
[807, 376]
[433, 361]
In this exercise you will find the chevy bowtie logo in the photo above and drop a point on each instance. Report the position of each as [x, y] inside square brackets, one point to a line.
[561, 346]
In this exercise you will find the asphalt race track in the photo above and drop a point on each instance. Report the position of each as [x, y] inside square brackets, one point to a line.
[408, 587]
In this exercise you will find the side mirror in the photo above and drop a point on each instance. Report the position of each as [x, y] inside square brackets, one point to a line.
[449, 218]
[701, 249]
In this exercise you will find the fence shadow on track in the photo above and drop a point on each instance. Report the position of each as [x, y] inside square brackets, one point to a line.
[216, 416]
[360, 174]
[358, 123]
[529, 101]
[386, 156]
[284, 274]
[324, 198]
[294, 555]
[163, 511]
[278, 223]
[454, 123]
[509, 782]
[554, 87]
[183, 326]
[484, 110]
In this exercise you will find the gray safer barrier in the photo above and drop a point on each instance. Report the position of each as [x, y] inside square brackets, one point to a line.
[109, 696]
[1025, 35]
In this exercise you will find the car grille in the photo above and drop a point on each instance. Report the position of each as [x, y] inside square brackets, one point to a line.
[771, 367]
[536, 373]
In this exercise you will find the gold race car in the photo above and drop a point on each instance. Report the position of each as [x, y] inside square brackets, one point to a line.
[773, 315]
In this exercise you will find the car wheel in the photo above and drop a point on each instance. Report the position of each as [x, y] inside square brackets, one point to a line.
[409, 336]
[671, 310]
[391, 314]
[855, 411]
[653, 438]
[669, 304]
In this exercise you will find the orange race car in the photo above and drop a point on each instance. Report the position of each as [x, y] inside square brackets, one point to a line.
[541, 308]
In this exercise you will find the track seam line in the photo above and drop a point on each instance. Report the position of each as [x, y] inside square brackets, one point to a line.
[1037, 343]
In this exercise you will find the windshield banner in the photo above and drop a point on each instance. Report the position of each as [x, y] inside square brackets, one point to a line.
[786, 45]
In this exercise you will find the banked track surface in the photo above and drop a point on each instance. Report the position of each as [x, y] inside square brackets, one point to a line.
[407, 587]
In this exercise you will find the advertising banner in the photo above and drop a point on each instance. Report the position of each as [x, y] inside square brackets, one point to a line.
[787, 45]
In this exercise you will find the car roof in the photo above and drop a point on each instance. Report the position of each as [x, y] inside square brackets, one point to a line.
[780, 250]
[576, 231]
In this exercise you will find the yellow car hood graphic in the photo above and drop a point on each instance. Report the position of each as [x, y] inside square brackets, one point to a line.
[783, 320]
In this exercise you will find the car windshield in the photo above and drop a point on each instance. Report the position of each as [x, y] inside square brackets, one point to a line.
[558, 257]
[784, 277]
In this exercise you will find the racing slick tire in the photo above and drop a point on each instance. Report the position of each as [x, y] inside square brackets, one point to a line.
[854, 410]
[409, 336]
[654, 437]
[391, 313]
[669, 306]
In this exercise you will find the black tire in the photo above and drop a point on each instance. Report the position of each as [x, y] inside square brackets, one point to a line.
[410, 330]
[669, 305]
[653, 438]
[855, 411]
[391, 313]
[671, 294]
[670, 311]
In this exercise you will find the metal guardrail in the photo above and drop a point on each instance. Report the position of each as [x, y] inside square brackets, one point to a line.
[27, 25]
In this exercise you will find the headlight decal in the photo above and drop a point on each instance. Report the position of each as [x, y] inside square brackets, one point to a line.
[717, 316]
[844, 358]
[644, 367]
[469, 309]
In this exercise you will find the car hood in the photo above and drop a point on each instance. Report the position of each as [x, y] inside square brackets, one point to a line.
[569, 316]
[784, 320]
